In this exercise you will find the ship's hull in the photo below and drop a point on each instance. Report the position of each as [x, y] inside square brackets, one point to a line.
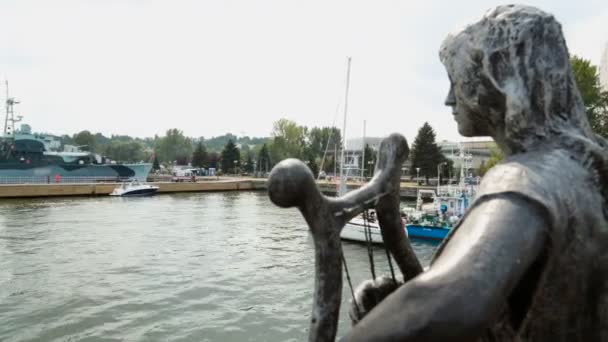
[29, 173]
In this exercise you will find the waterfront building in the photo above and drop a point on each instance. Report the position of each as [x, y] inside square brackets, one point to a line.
[477, 152]
[354, 150]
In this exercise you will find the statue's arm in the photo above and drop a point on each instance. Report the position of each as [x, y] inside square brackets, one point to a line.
[468, 284]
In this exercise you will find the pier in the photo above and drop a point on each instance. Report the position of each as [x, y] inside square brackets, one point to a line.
[408, 190]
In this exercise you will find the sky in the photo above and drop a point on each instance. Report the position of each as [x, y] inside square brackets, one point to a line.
[209, 67]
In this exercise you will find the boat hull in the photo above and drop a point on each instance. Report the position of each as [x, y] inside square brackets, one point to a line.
[355, 231]
[27, 173]
[427, 232]
[138, 193]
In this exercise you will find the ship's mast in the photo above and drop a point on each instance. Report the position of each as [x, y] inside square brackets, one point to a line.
[9, 120]
[342, 189]
[7, 109]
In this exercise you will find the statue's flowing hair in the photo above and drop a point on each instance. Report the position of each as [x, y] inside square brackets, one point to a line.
[525, 84]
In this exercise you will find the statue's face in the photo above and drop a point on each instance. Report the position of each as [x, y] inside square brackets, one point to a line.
[463, 98]
[469, 97]
[461, 113]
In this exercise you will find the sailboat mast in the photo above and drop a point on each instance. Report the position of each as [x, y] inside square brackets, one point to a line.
[342, 181]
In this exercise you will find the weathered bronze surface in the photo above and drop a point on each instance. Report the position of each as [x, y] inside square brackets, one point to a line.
[529, 260]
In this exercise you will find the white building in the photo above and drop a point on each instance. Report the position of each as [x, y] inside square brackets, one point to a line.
[477, 151]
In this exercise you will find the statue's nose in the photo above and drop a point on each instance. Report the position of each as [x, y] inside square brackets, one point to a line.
[450, 100]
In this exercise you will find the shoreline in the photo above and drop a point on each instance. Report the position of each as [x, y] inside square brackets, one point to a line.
[227, 184]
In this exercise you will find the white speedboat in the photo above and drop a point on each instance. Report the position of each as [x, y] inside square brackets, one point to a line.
[357, 229]
[134, 189]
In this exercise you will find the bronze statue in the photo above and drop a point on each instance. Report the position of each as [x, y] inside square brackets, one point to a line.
[529, 260]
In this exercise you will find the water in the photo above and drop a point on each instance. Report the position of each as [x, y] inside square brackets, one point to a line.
[184, 267]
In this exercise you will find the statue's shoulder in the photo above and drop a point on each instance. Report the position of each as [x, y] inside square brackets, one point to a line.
[534, 169]
[551, 178]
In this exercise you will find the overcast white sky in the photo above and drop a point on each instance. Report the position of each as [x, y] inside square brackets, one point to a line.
[208, 67]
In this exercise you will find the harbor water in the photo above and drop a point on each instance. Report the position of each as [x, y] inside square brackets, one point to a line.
[181, 267]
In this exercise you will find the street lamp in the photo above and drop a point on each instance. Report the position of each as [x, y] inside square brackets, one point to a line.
[370, 163]
[236, 161]
[417, 176]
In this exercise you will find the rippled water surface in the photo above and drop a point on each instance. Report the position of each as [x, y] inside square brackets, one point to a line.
[188, 267]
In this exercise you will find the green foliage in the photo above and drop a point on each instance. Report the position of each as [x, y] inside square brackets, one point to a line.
[330, 164]
[125, 151]
[216, 144]
[312, 165]
[496, 155]
[370, 155]
[199, 156]
[85, 140]
[425, 153]
[174, 146]
[66, 140]
[248, 166]
[155, 164]
[595, 100]
[264, 159]
[230, 158]
[320, 138]
[213, 160]
[288, 140]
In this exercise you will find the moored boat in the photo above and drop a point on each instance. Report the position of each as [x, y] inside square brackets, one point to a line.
[27, 157]
[357, 229]
[134, 189]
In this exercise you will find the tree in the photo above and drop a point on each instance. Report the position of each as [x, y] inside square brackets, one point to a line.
[309, 159]
[370, 156]
[264, 159]
[213, 160]
[174, 146]
[199, 156]
[321, 138]
[595, 99]
[496, 155]
[230, 158]
[249, 163]
[425, 154]
[85, 140]
[125, 151]
[288, 140]
[155, 164]
[330, 164]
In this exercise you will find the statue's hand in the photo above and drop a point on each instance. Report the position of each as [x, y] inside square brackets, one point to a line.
[369, 294]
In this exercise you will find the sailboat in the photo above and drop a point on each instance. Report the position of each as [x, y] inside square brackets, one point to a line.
[366, 227]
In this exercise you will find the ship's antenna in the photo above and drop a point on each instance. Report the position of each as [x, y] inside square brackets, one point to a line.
[6, 105]
[9, 120]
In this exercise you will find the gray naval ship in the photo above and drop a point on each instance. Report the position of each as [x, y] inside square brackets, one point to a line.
[28, 157]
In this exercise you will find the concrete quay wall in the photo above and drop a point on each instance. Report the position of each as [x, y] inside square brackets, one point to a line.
[407, 191]
[104, 189]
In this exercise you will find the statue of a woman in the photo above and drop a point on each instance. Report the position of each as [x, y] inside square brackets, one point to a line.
[529, 260]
